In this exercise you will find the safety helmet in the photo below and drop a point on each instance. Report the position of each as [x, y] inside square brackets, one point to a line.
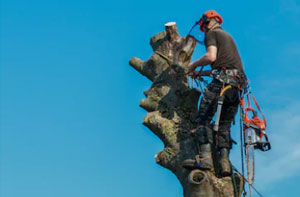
[206, 18]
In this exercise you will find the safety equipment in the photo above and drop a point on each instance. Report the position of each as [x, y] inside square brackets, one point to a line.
[252, 133]
[196, 37]
[234, 77]
[254, 128]
[207, 16]
[203, 21]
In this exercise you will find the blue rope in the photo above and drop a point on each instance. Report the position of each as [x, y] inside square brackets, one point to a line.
[242, 141]
[189, 34]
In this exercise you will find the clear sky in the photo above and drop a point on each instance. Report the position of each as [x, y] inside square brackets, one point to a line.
[70, 120]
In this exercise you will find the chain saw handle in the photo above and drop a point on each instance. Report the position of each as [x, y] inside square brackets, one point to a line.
[249, 109]
[264, 146]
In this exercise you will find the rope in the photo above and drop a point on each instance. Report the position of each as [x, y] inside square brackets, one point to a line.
[234, 185]
[199, 81]
[242, 151]
[193, 27]
[242, 144]
[224, 89]
[252, 186]
[254, 99]
[189, 34]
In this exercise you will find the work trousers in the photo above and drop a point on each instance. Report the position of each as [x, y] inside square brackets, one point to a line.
[207, 109]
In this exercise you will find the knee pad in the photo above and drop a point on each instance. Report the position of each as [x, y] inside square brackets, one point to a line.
[204, 135]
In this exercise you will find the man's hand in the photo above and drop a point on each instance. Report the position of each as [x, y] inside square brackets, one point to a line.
[194, 74]
[191, 67]
[209, 57]
[193, 131]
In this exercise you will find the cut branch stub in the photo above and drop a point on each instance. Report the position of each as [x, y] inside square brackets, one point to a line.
[164, 128]
[172, 32]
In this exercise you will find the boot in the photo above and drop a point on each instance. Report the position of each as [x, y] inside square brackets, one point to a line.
[203, 161]
[224, 162]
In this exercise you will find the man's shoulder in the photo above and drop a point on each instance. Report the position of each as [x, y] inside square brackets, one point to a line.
[219, 30]
[211, 33]
[222, 33]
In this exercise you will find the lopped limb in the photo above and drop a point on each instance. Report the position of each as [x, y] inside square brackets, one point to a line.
[137, 64]
[149, 104]
[164, 128]
[164, 158]
[157, 40]
[142, 67]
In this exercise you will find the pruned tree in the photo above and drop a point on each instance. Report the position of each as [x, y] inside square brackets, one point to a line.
[172, 107]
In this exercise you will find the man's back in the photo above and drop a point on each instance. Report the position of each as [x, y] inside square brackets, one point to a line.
[227, 55]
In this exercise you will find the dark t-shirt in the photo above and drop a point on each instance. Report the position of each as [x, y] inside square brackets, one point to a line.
[227, 55]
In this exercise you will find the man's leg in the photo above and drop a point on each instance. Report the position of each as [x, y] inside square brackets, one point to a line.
[207, 109]
[204, 134]
[228, 113]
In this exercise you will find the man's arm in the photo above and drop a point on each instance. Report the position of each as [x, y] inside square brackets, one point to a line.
[209, 57]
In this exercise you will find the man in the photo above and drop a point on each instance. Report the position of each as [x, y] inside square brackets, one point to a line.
[222, 55]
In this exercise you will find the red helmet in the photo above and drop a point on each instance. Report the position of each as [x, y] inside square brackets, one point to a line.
[206, 18]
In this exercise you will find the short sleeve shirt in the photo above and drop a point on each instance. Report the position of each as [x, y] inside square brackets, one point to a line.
[227, 55]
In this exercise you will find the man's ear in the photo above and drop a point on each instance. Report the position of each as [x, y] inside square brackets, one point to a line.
[217, 20]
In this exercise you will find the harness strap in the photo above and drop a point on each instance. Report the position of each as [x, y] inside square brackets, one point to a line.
[233, 77]
[249, 106]
[199, 159]
[265, 121]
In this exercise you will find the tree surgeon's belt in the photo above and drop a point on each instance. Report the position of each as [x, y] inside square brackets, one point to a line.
[232, 77]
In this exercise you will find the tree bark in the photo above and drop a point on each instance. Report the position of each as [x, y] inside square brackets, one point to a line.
[172, 107]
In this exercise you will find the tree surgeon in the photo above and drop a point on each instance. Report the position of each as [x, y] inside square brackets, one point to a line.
[226, 69]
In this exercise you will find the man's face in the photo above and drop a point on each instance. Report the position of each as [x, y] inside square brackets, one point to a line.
[204, 22]
[209, 25]
[205, 28]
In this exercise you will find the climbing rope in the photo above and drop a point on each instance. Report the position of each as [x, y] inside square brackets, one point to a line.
[242, 141]
[243, 150]
[245, 180]
[189, 34]
[236, 194]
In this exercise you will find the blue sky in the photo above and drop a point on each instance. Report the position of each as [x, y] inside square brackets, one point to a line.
[70, 120]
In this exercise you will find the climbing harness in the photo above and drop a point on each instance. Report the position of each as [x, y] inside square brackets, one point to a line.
[233, 77]
[253, 134]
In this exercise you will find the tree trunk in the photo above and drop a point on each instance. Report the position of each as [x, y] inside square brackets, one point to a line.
[172, 108]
